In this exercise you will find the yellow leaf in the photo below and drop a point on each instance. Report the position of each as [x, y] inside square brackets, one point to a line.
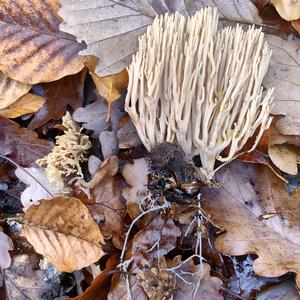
[11, 90]
[109, 86]
[27, 104]
[63, 230]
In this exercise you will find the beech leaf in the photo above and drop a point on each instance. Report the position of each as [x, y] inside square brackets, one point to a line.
[64, 232]
[32, 47]
[111, 28]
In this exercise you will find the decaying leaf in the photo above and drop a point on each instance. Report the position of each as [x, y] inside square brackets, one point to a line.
[108, 209]
[127, 135]
[136, 178]
[32, 47]
[154, 240]
[11, 90]
[98, 117]
[111, 28]
[296, 25]
[21, 144]
[24, 280]
[58, 94]
[283, 74]
[259, 216]
[64, 232]
[109, 86]
[38, 186]
[157, 283]
[204, 286]
[288, 9]
[6, 245]
[27, 104]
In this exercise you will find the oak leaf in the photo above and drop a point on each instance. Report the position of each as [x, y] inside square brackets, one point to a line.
[60, 94]
[64, 232]
[27, 104]
[109, 208]
[208, 286]
[21, 144]
[32, 47]
[11, 90]
[154, 240]
[259, 216]
[111, 28]
[288, 10]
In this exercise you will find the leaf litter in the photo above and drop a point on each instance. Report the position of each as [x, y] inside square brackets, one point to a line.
[123, 222]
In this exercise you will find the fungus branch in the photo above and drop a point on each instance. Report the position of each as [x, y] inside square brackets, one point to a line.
[199, 87]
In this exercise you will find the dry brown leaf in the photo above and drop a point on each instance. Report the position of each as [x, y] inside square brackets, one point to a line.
[27, 104]
[260, 217]
[109, 86]
[21, 144]
[288, 9]
[11, 90]
[209, 286]
[154, 240]
[63, 231]
[99, 287]
[285, 157]
[111, 28]
[109, 208]
[136, 178]
[60, 94]
[32, 47]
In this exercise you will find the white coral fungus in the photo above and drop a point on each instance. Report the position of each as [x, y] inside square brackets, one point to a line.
[200, 87]
[65, 158]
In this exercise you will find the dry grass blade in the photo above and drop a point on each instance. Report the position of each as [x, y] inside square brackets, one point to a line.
[62, 230]
[32, 49]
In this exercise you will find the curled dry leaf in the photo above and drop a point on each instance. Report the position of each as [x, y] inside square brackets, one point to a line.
[99, 287]
[288, 9]
[111, 28]
[109, 86]
[11, 90]
[32, 47]
[259, 216]
[6, 245]
[38, 186]
[136, 178]
[283, 74]
[109, 208]
[154, 240]
[21, 144]
[58, 94]
[296, 25]
[64, 232]
[27, 104]
[198, 275]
